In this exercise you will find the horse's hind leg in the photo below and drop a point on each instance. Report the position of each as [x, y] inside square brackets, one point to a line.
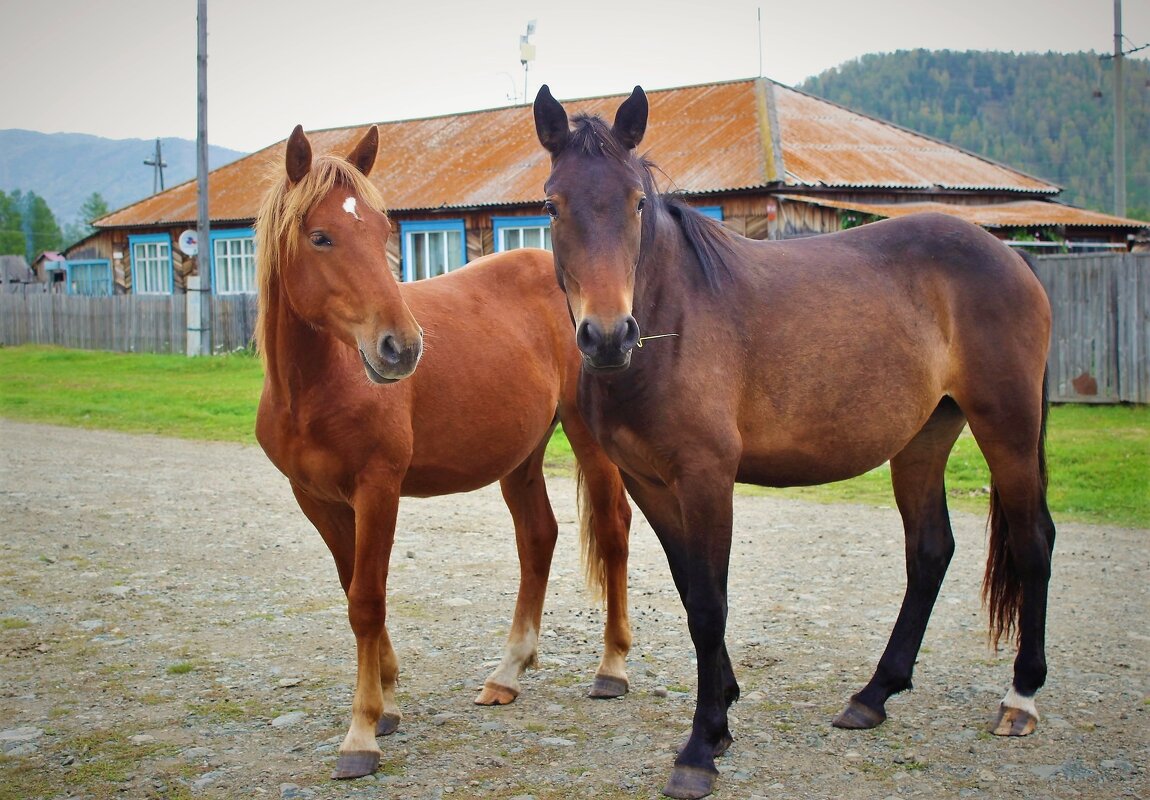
[605, 523]
[525, 493]
[917, 476]
[1018, 568]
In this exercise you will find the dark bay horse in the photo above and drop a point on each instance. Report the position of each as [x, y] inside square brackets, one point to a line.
[796, 363]
[362, 404]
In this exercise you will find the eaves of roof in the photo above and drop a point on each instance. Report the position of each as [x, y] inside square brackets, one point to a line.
[1013, 214]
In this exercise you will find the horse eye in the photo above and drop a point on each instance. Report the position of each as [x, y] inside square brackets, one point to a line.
[642, 203]
[550, 208]
[319, 239]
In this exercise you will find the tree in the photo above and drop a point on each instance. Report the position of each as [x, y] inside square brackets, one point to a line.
[11, 227]
[41, 230]
[94, 208]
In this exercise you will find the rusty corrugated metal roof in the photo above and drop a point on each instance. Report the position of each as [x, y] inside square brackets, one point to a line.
[827, 145]
[1014, 214]
[710, 138]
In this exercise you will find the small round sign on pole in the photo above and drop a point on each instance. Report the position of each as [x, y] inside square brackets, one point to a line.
[188, 243]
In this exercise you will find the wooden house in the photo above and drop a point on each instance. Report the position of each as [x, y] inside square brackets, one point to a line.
[771, 162]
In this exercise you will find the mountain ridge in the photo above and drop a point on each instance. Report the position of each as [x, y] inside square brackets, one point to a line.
[49, 165]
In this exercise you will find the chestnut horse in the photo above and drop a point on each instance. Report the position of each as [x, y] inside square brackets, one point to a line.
[795, 363]
[361, 405]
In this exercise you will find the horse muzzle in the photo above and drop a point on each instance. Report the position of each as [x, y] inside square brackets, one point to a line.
[607, 348]
[392, 358]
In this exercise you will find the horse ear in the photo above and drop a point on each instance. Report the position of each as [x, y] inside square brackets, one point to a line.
[631, 119]
[550, 122]
[298, 155]
[363, 156]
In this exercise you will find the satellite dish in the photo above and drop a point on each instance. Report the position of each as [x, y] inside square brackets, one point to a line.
[187, 243]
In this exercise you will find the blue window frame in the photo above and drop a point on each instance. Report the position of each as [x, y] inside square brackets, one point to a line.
[714, 212]
[151, 263]
[512, 233]
[233, 261]
[90, 277]
[432, 247]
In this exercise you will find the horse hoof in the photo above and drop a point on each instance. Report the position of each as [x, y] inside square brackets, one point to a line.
[492, 694]
[1013, 722]
[690, 782]
[355, 764]
[608, 686]
[387, 724]
[856, 716]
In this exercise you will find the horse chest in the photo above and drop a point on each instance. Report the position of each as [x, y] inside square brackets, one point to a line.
[316, 459]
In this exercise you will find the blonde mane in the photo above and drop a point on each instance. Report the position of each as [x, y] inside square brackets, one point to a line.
[283, 211]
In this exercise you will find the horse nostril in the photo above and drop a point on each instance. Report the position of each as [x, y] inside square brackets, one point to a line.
[588, 336]
[628, 331]
[389, 349]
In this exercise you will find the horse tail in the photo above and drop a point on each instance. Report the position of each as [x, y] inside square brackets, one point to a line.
[594, 567]
[1002, 584]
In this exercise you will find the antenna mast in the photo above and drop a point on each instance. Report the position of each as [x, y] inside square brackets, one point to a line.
[526, 54]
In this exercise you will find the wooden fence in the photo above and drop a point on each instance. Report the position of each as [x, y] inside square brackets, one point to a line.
[124, 323]
[1100, 348]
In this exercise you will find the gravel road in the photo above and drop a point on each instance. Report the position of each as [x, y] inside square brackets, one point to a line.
[171, 626]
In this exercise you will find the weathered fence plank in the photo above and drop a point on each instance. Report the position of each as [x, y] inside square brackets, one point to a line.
[1101, 340]
[124, 323]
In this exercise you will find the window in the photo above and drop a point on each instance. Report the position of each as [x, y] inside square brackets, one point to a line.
[151, 263]
[89, 277]
[714, 212]
[234, 261]
[432, 248]
[512, 233]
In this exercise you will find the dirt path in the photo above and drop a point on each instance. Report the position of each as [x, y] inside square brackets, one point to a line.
[171, 626]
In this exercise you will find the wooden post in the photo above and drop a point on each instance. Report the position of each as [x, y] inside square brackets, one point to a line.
[203, 226]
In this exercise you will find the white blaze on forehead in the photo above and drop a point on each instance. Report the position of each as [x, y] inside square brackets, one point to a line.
[349, 207]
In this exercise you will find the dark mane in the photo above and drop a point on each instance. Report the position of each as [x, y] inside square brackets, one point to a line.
[709, 240]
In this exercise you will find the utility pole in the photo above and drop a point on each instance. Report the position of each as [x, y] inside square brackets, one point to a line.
[200, 290]
[1119, 117]
[157, 163]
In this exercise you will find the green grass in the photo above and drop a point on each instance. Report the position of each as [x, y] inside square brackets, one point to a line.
[190, 398]
[1098, 460]
[1099, 456]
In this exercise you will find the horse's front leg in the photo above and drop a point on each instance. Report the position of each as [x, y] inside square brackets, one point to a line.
[693, 524]
[373, 708]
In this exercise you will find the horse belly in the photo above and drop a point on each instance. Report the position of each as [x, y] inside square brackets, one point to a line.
[833, 446]
[798, 468]
[473, 435]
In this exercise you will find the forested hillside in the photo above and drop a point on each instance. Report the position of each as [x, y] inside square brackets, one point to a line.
[1038, 113]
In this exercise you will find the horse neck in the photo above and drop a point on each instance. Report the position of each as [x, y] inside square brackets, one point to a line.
[296, 353]
[663, 277]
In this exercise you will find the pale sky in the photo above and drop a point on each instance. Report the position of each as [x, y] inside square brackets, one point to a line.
[127, 68]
